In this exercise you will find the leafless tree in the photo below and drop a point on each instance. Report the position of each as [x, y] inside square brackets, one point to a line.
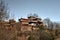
[49, 23]
[3, 11]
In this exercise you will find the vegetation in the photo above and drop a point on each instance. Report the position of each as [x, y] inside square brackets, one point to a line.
[49, 31]
[47, 36]
[3, 11]
[44, 35]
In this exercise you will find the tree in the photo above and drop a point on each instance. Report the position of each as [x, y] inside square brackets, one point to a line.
[57, 32]
[47, 36]
[35, 15]
[31, 38]
[3, 11]
[49, 23]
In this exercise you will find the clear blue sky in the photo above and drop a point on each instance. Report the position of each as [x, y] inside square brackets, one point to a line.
[44, 8]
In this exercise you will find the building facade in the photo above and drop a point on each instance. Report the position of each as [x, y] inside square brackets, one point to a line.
[21, 30]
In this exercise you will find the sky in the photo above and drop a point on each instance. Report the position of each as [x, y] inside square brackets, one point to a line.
[43, 8]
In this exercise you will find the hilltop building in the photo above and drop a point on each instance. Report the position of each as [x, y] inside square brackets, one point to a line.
[21, 29]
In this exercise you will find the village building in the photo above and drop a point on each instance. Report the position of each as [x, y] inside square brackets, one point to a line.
[29, 25]
[21, 29]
